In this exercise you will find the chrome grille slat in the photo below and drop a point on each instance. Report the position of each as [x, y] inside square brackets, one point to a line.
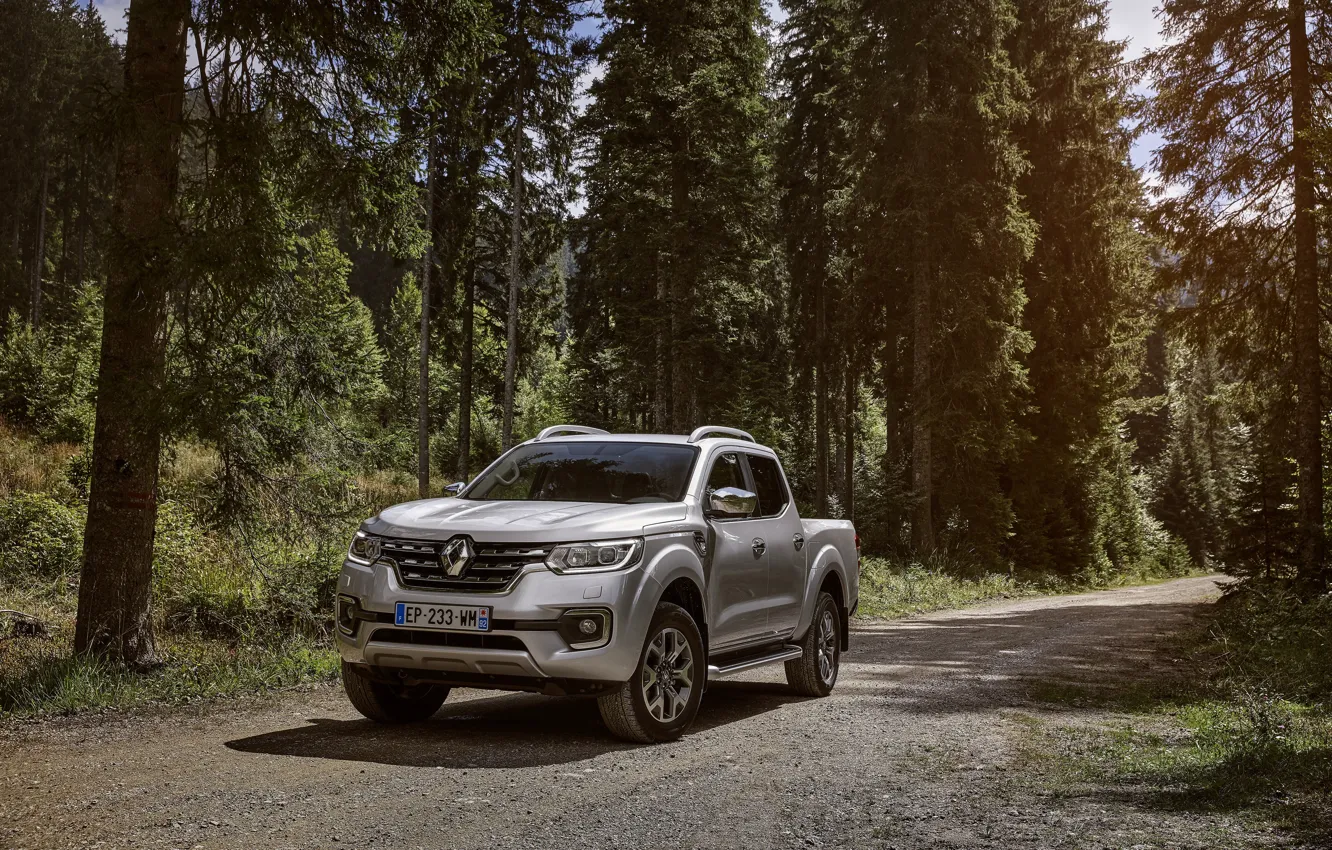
[493, 567]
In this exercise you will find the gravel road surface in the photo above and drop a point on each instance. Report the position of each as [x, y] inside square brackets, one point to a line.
[916, 748]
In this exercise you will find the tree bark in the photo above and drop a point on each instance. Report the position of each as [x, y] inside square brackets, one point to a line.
[1307, 309]
[821, 451]
[922, 325]
[39, 252]
[515, 275]
[82, 216]
[661, 401]
[680, 303]
[114, 618]
[849, 437]
[893, 443]
[423, 397]
[465, 372]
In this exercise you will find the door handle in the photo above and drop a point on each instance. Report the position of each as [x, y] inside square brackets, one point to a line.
[759, 546]
[799, 540]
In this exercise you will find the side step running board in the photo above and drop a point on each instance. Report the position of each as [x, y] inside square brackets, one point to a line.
[786, 653]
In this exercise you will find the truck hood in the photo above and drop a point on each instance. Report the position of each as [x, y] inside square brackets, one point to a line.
[521, 522]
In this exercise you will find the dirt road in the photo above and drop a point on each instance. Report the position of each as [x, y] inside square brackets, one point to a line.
[914, 749]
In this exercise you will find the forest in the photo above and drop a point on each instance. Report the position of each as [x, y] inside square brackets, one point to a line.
[269, 267]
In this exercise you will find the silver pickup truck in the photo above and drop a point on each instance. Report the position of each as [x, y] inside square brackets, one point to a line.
[633, 567]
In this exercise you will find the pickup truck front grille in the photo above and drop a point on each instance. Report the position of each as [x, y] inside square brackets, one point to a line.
[492, 568]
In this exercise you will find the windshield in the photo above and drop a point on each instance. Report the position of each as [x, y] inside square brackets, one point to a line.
[617, 472]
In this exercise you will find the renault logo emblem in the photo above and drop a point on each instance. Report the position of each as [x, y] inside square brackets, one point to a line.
[455, 556]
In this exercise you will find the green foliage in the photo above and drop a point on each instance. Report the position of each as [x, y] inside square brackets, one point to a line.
[29, 465]
[1271, 639]
[48, 377]
[675, 298]
[194, 670]
[1088, 287]
[1245, 286]
[938, 200]
[890, 588]
[58, 78]
[41, 539]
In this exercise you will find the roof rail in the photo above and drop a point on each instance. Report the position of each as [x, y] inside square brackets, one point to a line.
[566, 429]
[700, 433]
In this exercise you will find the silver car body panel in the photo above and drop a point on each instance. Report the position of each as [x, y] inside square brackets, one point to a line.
[671, 553]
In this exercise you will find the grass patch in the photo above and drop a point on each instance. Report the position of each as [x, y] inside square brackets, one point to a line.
[193, 670]
[1245, 728]
[891, 588]
[39, 675]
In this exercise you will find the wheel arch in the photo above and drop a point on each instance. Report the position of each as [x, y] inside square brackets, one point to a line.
[836, 588]
[684, 591]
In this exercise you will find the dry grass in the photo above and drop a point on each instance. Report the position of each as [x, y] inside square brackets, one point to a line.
[27, 465]
[383, 488]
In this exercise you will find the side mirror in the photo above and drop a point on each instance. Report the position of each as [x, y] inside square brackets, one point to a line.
[454, 488]
[731, 503]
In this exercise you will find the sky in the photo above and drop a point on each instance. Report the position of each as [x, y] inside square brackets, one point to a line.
[1132, 20]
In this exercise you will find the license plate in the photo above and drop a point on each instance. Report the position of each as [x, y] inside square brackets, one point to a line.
[451, 618]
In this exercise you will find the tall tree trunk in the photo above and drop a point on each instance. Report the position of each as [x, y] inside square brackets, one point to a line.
[66, 221]
[821, 395]
[821, 388]
[849, 436]
[423, 397]
[922, 327]
[681, 301]
[39, 252]
[922, 489]
[465, 370]
[892, 445]
[114, 594]
[1307, 309]
[515, 275]
[83, 215]
[661, 395]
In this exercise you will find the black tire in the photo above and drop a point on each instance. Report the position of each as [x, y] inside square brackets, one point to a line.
[384, 703]
[807, 674]
[628, 712]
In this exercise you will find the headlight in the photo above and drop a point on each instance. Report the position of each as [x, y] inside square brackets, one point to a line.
[364, 548]
[598, 556]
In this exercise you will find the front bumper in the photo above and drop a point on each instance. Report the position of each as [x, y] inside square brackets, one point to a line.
[523, 618]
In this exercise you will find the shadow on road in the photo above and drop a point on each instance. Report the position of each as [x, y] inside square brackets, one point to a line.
[1057, 658]
[511, 730]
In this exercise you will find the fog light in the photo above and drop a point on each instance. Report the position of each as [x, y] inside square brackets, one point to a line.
[586, 628]
[348, 606]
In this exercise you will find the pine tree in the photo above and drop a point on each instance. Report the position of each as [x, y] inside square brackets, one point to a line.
[1236, 104]
[813, 70]
[535, 79]
[1087, 281]
[676, 280]
[942, 230]
[280, 145]
[114, 592]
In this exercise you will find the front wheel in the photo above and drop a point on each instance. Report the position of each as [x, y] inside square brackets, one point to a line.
[661, 699]
[814, 673]
[385, 703]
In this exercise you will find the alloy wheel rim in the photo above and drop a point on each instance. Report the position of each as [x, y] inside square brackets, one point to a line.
[827, 648]
[667, 675]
